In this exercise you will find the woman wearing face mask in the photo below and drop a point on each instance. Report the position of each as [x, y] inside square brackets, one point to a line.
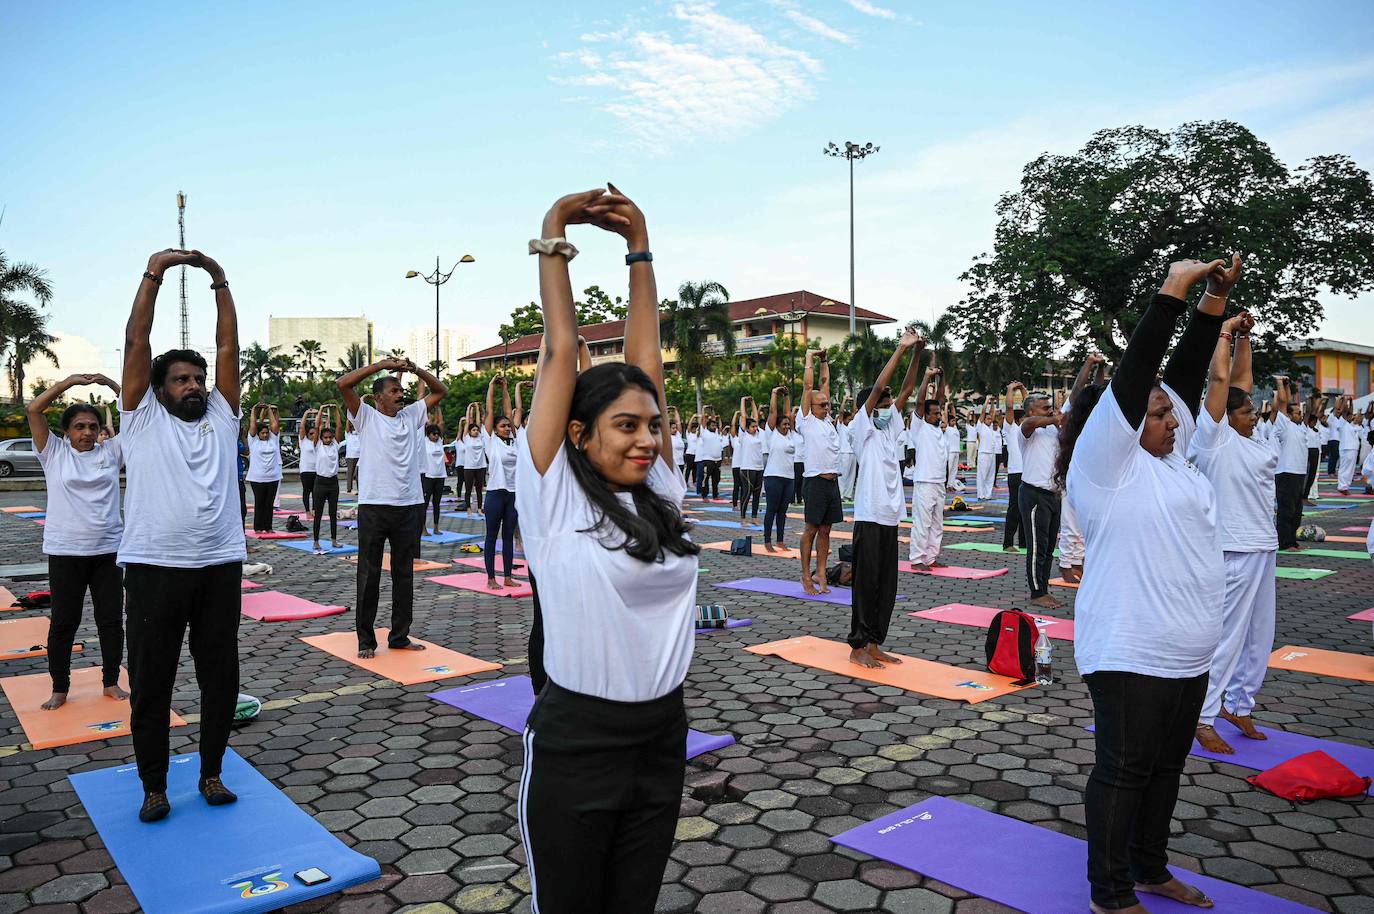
[1149, 609]
[434, 470]
[600, 507]
[81, 533]
[500, 507]
[264, 464]
[326, 490]
[471, 450]
[777, 470]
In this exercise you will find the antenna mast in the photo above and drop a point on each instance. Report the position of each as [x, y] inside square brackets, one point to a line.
[181, 231]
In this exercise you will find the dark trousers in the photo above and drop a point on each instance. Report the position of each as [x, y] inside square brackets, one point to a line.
[798, 471]
[689, 468]
[1145, 727]
[162, 604]
[378, 526]
[1314, 459]
[749, 485]
[777, 496]
[737, 487]
[1040, 520]
[350, 472]
[1011, 530]
[264, 495]
[434, 494]
[1333, 457]
[69, 577]
[708, 479]
[243, 503]
[1288, 492]
[326, 495]
[473, 481]
[307, 488]
[599, 799]
[536, 648]
[874, 584]
[501, 519]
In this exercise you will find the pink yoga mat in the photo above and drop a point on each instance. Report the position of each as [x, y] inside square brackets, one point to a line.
[249, 585]
[275, 535]
[982, 616]
[477, 581]
[477, 561]
[274, 606]
[955, 571]
[1364, 615]
[1364, 529]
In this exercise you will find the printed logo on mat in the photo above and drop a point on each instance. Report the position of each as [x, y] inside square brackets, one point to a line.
[107, 726]
[970, 684]
[923, 817]
[261, 885]
[1293, 655]
[442, 668]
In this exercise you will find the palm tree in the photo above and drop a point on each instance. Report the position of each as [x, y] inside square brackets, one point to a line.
[16, 279]
[277, 368]
[310, 356]
[396, 353]
[866, 354]
[355, 358]
[253, 364]
[939, 343]
[26, 330]
[702, 310]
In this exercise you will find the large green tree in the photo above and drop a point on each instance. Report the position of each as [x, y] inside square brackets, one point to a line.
[702, 310]
[25, 329]
[310, 357]
[1081, 246]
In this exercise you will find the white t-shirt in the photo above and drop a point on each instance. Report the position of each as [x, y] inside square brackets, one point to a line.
[989, 440]
[748, 451]
[1349, 434]
[615, 627]
[846, 439]
[782, 450]
[434, 459]
[951, 434]
[690, 442]
[1332, 429]
[679, 450]
[501, 463]
[472, 450]
[181, 507]
[1241, 471]
[710, 445]
[1315, 438]
[327, 459]
[800, 455]
[878, 497]
[1292, 439]
[931, 452]
[307, 455]
[83, 497]
[264, 459]
[1039, 452]
[1014, 439]
[1154, 580]
[388, 459]
[821, 446]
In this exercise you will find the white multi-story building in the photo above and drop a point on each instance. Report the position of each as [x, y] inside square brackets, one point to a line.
[336, 334]
[418, 345]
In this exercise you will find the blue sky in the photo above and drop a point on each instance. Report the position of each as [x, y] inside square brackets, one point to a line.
[328, 148]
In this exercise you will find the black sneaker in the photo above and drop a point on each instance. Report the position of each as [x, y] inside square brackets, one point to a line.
[215, 793]
[155, 806]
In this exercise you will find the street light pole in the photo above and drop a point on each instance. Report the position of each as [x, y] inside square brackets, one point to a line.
[437, 279]
[792, 317]
[851, 151]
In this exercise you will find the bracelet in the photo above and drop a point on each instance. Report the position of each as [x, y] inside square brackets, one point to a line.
[553, 246]
[157, 280]
[1220, 298]
[1225, 335]
[638, 257]
[222, 284]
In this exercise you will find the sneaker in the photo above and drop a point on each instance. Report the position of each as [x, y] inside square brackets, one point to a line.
[215, 793]
[155, 806]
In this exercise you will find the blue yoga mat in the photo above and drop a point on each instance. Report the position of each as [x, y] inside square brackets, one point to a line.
[309, 546]
[508, 701]
[444, 537]
[734, 524]
[202, 859]
[32, 515]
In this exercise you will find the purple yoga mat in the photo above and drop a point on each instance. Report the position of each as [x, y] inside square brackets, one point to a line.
[1023, 866]
[729, 623]
[838, 595]
[508, 701]
[1263, 754]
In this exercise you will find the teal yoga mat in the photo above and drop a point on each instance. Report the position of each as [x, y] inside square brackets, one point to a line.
[1301, 574]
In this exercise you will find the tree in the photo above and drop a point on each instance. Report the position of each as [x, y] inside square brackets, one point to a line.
[396, 352]
[702, 309]
[524, 320]
[598, 307]
[253, 364]
[310, 357]
[26, 330]
[277, 369]
[355, 358]
[1080, 247]
[865, 355]
[17, 280]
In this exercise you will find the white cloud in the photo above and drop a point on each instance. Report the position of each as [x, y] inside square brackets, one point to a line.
[868, 9]
[817, 27]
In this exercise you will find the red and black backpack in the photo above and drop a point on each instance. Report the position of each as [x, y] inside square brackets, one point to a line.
[1011, 645]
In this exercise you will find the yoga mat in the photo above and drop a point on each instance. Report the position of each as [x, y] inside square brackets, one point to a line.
[203, 859]
[7, 600]
[1360, 554]
[984, 547]
[249, 585]
[1301, 574]
[1364, 529]
[1060, 582]
[308, 546]
[477, 581]
[728, 523]
[27, 637]
[405, 667]
[966, 522]
[21, 509]
[954, 571]
[1346, 539]
[274, 535]
[1364, 615]
[838, 595]
[1023, 866]
[729, 623]
[87, 716]
[24, 571]
[477, 561]
[788, 553]
[1323, 663]
[444, 537]
[508, 701]
[274, 606]
[31, 515]
[939, 680]
[982, 616]
[418, 565]
[1282, 746]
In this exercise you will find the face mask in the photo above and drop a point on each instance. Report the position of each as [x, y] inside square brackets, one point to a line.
[882, 419]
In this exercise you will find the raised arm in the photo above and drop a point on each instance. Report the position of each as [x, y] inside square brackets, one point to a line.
[35, 411]
[1184, 371]
[306, 431]
[773, 409]
[338, 422]
[489, 421]
[909, 341]
[226, 333]
[348, 382]
[825, 372]
[1220, 372]
[808, 382]
[437, 389]
[1241, 374]
[138, 352]
[584, 355]
[273, 419]
[1094, 363]
[918, 346]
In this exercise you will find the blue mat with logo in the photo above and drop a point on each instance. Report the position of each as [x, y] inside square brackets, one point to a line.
[203, 859]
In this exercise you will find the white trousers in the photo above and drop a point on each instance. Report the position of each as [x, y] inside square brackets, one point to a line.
[1070, 536]
[952, 472]
[848, 474]
[1247, 635]
[987, 474]
[1346, 470]
[927, 521]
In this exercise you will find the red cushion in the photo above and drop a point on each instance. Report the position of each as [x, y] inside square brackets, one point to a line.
[1311, 776]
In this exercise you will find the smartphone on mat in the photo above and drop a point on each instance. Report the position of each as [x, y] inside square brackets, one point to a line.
[312, 876]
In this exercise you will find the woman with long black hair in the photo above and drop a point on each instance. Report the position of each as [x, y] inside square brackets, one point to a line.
[605, 743]
[783, 443]
[498, 431]
[264, 464]
[326, 488]
[1149, 609]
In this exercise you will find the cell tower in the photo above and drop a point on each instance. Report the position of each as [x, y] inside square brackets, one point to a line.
[181, 231]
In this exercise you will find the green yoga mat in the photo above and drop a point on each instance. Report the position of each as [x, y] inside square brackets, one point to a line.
[966, 522]
[1301, 574]
[984, 547]
[1337, 553]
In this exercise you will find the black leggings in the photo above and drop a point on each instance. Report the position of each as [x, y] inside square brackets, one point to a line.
[689, 467]
[1333, 457]
[710, 478]
[777, 491]
[748, 485]
[501, 519]
[326, 494]
[307, 488]
[434, 493]
[1314, 459]
[264, 498]
[69, 576]
[798, 471]
[736, 487]
[474, 480]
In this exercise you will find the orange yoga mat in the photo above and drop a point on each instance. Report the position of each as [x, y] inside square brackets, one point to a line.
[420, 564]
[1345, 539]
[777, 553]
[7, 601]
[87, 715]
[939, 680]
[26, 637]
[1323, 663]
[21, 509]
[406, 667]
[1060, 582]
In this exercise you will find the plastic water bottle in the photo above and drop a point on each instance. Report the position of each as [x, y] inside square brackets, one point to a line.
[1044, 669]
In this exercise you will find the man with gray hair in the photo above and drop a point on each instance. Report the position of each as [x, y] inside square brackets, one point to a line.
[1039, 495]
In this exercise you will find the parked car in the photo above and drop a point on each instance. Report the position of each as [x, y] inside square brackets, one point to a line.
[18, 458]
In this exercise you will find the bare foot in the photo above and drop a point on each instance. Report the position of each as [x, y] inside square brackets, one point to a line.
[1047, 601]
[1178, 891]
[1009, 549]
[808, 585]
[492, 585]
[115, 692]
[1211, 740]
[1246, 725]
[1133, 909]
[923, 569]
[1068, 574]
[824, 586]
[58, 700]
[367, 653]
[862, 658]
[510, 581]
[769, 547]
[412, 646]
[882, 656]
[1292, 549]
[938, 564]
